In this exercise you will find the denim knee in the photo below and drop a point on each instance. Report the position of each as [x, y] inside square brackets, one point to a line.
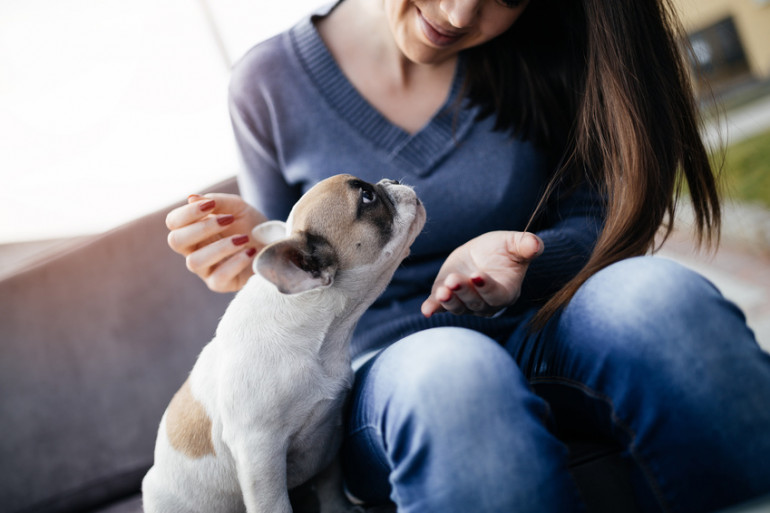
[447, 397]
[682, 372]
[655, 321]
[445, 367]
[656, 307]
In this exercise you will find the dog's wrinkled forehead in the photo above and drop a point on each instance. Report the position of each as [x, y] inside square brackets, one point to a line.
[355, 217]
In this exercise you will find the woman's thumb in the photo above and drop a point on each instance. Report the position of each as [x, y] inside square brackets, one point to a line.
[524, 246]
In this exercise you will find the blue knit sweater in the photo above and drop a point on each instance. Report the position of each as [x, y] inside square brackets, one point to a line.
[297, 120]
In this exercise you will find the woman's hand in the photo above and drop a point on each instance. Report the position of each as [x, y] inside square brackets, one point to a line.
[483, 275]
[213, 232]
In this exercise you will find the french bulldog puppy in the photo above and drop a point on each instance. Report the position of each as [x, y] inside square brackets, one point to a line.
[261, 411]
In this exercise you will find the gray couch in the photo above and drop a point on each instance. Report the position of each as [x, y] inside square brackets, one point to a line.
[96, 338]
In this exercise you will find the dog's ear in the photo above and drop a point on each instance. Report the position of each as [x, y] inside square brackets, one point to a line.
[269, 232]
[297, 264]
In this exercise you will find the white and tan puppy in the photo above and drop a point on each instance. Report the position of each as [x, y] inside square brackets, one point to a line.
[261, 410]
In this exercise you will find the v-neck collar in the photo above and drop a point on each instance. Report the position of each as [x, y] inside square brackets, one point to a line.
[418, 152]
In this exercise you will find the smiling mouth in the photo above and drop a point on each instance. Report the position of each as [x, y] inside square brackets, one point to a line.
[435, 35]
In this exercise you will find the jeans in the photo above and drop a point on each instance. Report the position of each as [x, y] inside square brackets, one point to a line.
[647, 354]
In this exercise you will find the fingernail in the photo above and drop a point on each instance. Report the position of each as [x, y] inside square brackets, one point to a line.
[240, 240]
[455, 287]
[225, 219]
[478, 281]
[251, 252]
[207, 205]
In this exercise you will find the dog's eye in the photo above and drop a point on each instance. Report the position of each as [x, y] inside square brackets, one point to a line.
[367, 195]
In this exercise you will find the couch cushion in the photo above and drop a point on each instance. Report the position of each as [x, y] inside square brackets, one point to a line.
[94, 343]
[131, 504]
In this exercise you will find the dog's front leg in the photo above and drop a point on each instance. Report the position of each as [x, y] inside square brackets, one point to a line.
[261, 471]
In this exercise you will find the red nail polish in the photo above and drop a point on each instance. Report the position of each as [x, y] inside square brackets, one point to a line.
[207, 205]
[478, 281]
[455, 287]
[251, 252]
[225, 219]
[240, 240]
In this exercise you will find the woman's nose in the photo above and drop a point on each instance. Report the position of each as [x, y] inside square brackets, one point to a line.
[460, 13]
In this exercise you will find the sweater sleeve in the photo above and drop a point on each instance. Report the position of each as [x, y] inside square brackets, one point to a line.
[569, 230]
[261, 181]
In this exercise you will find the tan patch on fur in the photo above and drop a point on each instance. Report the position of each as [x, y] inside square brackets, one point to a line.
[187, 424]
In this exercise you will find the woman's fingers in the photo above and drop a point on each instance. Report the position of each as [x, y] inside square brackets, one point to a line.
[190, 237]
[492, 293]
[198, 207]
[523, 247]
[478, 294]
[430, 306]
[232, 273]
[190, 213]
[210, 231]
[185, 235]
[204, 260]
[483, 275]
[224, 265]
[459, 296]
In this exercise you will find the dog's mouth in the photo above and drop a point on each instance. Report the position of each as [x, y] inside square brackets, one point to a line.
[407, 209]
[415, 228]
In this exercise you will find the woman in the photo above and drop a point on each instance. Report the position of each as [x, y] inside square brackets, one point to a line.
[549, 141]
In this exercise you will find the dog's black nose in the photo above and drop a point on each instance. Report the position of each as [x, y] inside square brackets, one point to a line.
[392, 182]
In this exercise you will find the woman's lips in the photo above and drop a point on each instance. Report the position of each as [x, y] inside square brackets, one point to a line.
[435, 35]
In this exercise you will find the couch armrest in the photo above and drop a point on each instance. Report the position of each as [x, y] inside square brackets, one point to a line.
[94, 343]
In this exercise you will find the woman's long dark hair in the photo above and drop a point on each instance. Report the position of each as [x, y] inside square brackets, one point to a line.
[603, 84]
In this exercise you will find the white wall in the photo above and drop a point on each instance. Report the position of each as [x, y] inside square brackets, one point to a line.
[111, 108]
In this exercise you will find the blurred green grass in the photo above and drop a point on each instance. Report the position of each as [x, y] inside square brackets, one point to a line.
[746, 170]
